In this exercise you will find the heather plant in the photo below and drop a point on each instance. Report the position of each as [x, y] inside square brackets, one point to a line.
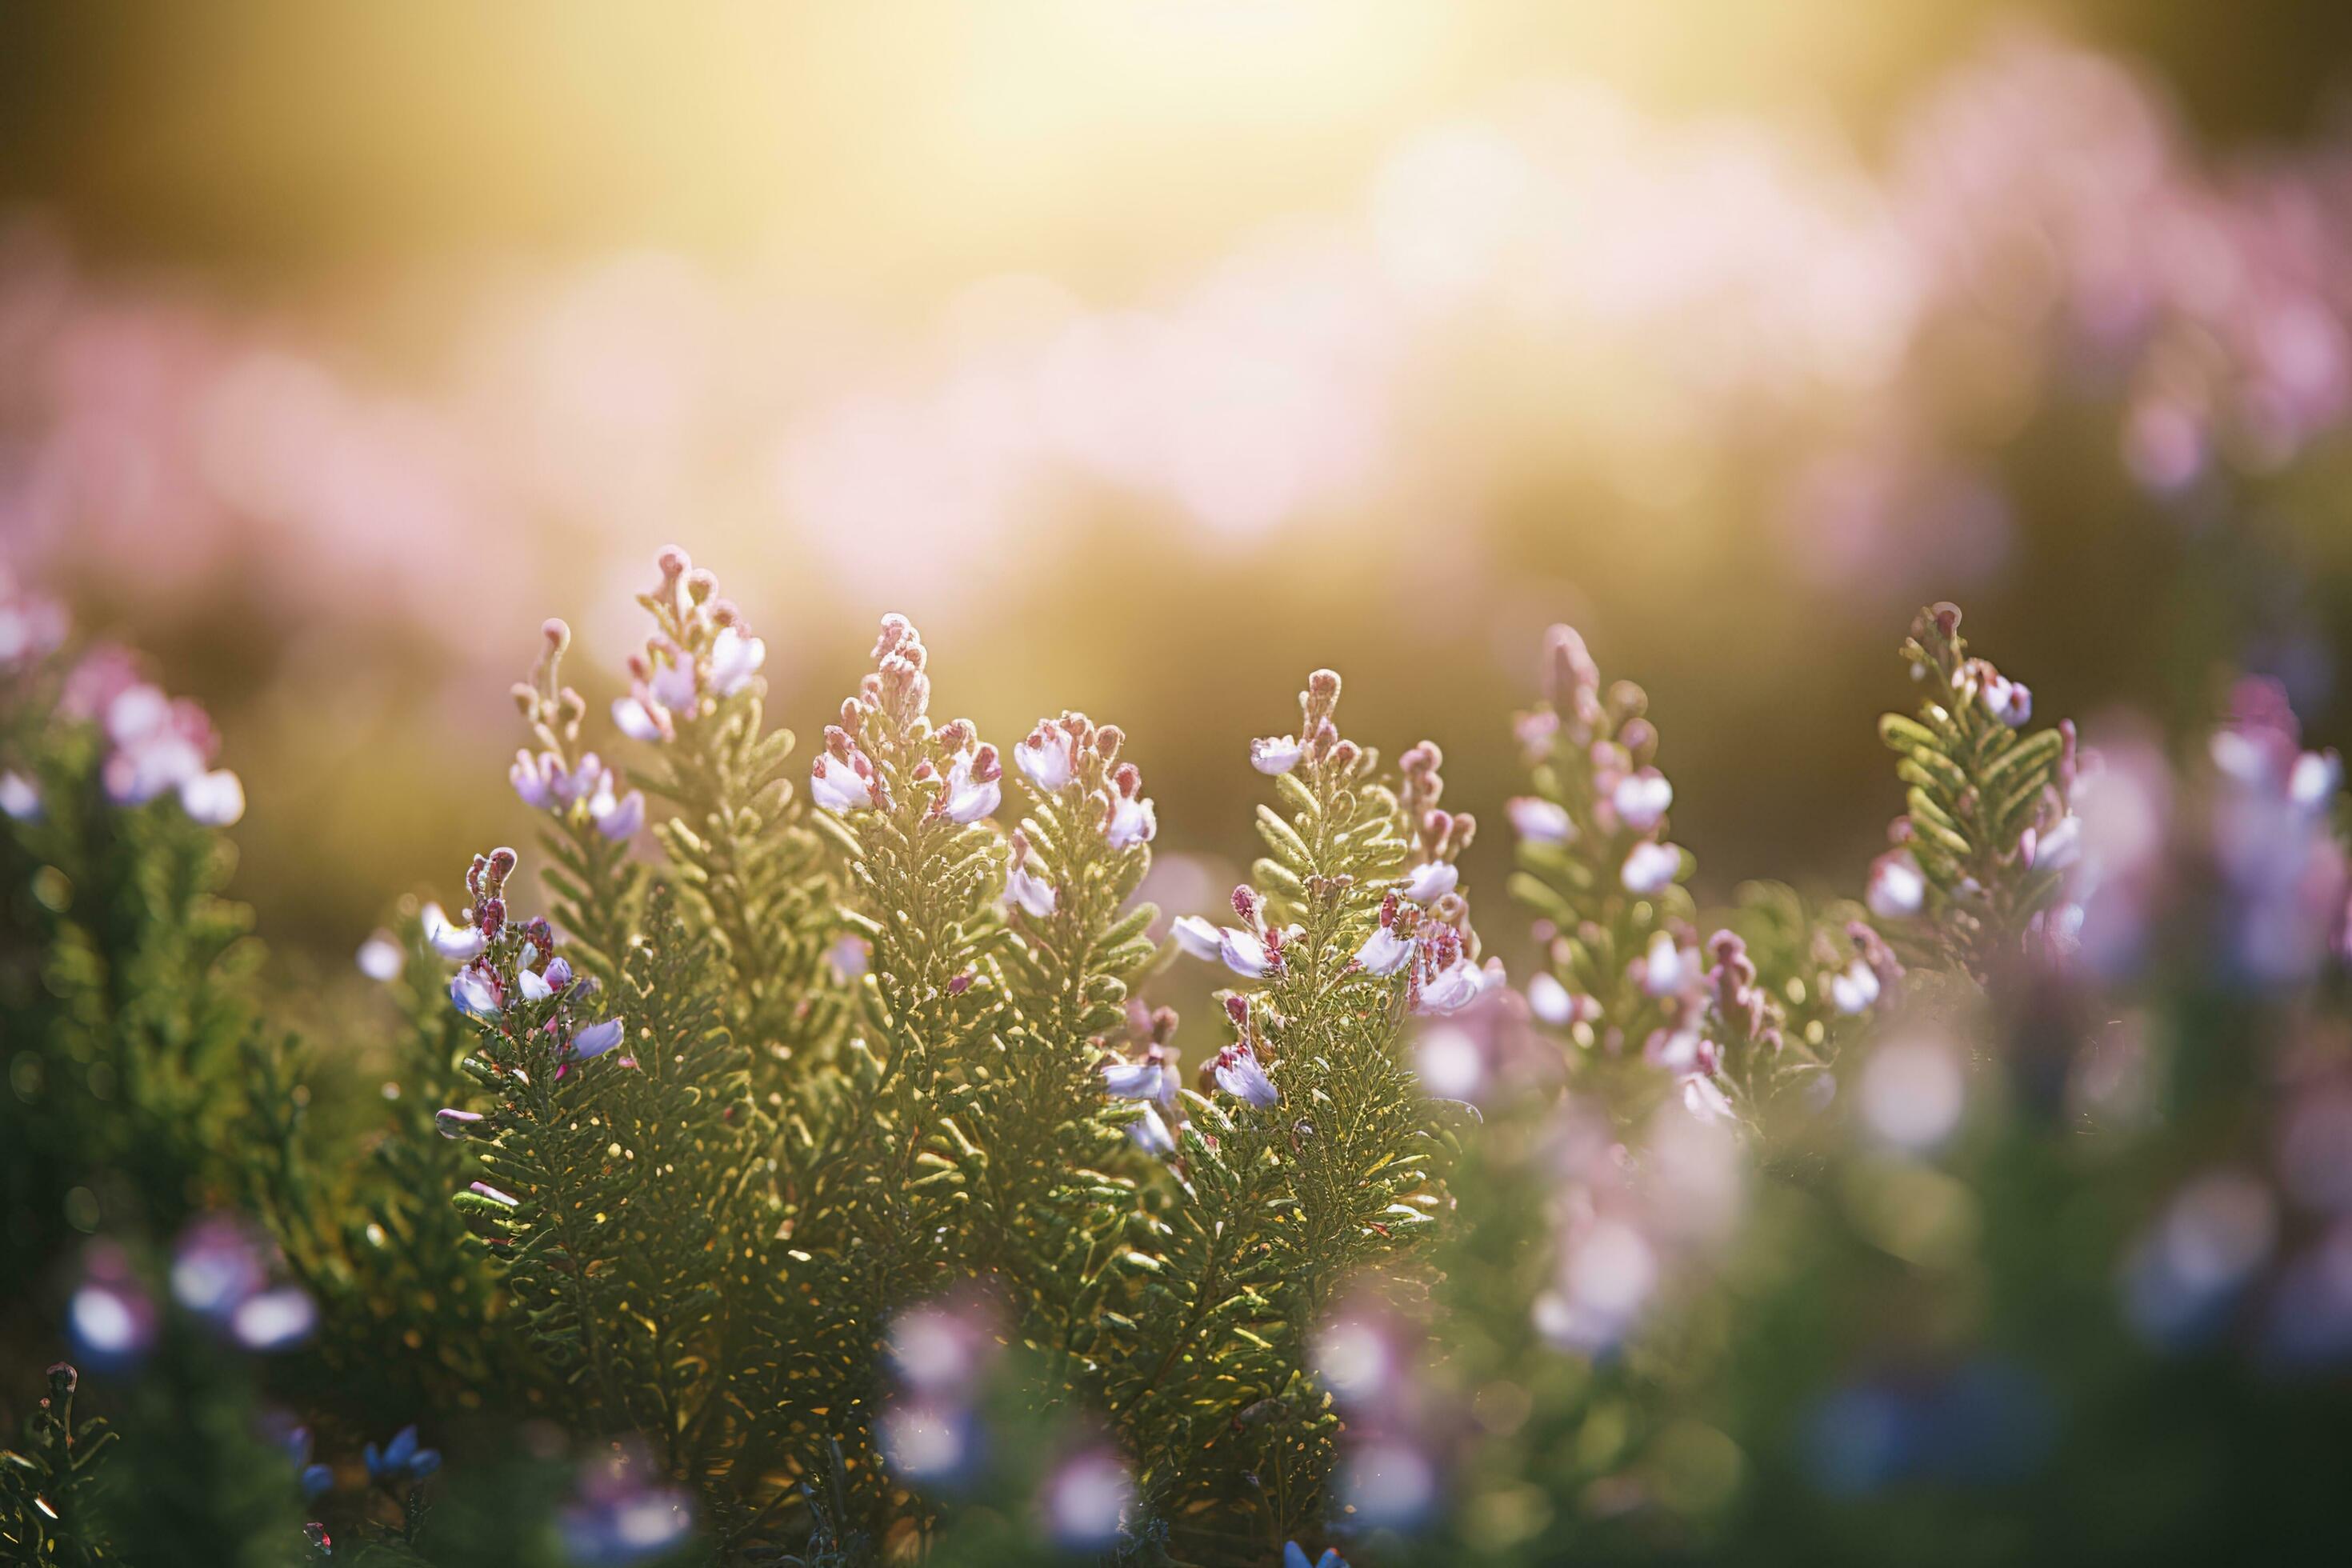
[815, 1179]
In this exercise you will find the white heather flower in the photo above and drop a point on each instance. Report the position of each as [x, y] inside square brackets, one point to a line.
[1651, 867]
[640, 720]
[579, 783]
[972, 789]
[1031, 894]
[1678, 1051]
[597, 1038]
[1384, 952]
[18, 799]
[1452, 988]
[459, 944]
[534, 987]
[215, 799]
[1245, 953]
[1665, 967]
[1426, 884]
[1541, 821]
[2007, 701]
[537, 779]
[1049, 757]
[379, 958]
[673, 685]
[1548, 1000]
[735, 658]
[1132, 822]
[2318, 775]
[476, 992]
[158, 744]
[1898, 889]
[1198, 937]
[1642, 799]
[1272, 754]
[1854, 990]
[1237, 1072]
[2059, 848]
[618, 820]
[1150, 1133]
[1146, 1079]
[1704, 1101]
[836, 785]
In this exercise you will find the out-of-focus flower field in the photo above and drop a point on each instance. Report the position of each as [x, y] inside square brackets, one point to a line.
[1721, 386]
[1146, 358]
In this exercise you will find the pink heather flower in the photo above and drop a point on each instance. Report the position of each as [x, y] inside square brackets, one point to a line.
[1651, 867]
[1237, 1072]
[1086, 1501]
[2059, 848]
[1663, 967]
[158, 744]
[1548, 1000]
[1031, 894]
[673, 685]
[1198, 937]
[1149, 1079]
[1384, 952]
[215, 799]
[2007, 701]
[596, 1039]
[618, 820]
[216, 1263]
[581, 782]
[1426, 884]
[1245, 953]
[104, 673]
[1704, 1099]
[2315, 779]
[1274, 754]
[973, 788]
[1856, 989]
[20, 799]
[536, 778]
[459, 944]
[1541, 821]
[31, 625]
[837, 784]
[1680, 1050]
[477, 993]
[1898, 889]
[641, 719]
[1642, 799]
[452, 1123]
[1132, 822]
[1049, 757]
[1150, 1133]
[379, 958]
[274, 1319]
[735, 658]
[1452, 988]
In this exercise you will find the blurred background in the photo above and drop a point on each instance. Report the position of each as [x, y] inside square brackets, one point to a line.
[1149, 354]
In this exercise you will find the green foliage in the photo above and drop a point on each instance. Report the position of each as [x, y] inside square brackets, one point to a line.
[1742, 1017]
[122, 984]
[413, 1317]
[48, 1489]
[676, 1184]
[1978, 793]
[1277, 1207]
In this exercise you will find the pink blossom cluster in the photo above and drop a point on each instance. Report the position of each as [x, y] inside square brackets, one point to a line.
[2043, 222]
